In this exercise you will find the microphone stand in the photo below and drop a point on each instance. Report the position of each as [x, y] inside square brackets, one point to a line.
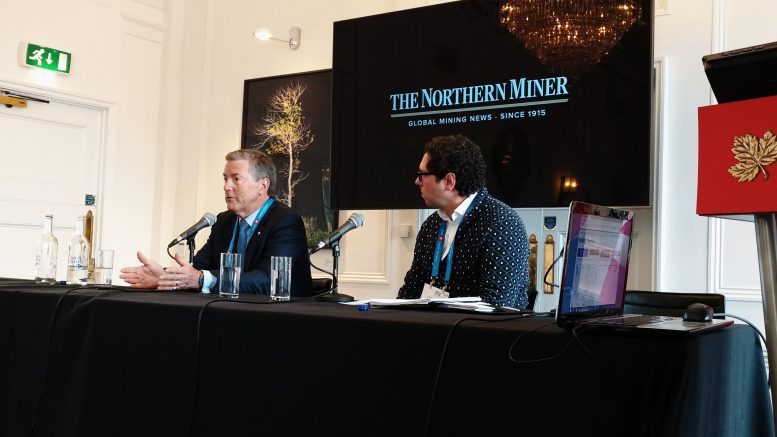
[334, 296]
[190, 243]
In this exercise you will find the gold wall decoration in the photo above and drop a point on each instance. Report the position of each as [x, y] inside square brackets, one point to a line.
[549, 252]
[569, 36]
[753, 154]
[532, 262]
[89, 234]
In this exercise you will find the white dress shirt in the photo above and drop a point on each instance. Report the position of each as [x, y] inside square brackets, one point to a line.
[453, 221]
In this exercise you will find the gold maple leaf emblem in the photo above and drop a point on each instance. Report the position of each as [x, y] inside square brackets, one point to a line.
[753, 154]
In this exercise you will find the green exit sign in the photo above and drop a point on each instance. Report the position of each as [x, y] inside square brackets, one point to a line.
[33, 55]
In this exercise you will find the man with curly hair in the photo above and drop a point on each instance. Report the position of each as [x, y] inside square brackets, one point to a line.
[474, 245]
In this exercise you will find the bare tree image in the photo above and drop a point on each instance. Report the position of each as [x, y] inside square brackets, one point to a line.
[281, 117]
[284, 130]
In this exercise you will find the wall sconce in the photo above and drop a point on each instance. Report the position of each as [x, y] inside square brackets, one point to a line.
[295, 33]
[568, 184]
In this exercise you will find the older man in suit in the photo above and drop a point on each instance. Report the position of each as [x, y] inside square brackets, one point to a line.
[255, 224]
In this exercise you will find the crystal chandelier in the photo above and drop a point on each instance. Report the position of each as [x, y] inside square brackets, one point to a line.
[569, 36]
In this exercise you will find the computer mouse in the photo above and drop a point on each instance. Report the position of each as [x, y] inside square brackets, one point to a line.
[698, 312]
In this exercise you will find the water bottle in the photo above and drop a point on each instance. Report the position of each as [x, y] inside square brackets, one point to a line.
[78, 255]
[46, 253]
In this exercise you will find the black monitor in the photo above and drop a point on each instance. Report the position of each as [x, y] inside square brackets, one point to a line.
[742, 74]
[401, 78]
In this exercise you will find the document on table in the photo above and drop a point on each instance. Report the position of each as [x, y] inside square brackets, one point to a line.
[469, 303]
[480, 307]
[376, 302]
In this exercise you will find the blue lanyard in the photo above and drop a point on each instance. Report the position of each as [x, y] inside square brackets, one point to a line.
[258, 218]
[438, 246]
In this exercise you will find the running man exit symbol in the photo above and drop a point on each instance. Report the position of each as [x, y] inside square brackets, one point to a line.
[47, 58]
[37, 55]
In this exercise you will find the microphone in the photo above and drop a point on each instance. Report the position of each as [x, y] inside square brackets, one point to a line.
[356, 220]
[207, 219]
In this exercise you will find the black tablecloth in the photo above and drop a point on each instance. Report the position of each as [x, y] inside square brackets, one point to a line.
[113, 362]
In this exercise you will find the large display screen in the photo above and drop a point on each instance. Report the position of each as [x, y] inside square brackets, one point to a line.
[401, 78]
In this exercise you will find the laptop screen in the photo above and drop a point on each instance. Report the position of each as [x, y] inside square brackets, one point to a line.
[596, 260]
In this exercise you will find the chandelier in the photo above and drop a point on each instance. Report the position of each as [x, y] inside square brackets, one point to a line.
[569, 36]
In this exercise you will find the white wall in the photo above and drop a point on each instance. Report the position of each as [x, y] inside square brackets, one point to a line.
[117, 63]
[683, 234]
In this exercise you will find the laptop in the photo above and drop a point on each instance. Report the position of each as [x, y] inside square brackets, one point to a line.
[593, 279]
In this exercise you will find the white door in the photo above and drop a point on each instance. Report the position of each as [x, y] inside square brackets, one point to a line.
[49, 162]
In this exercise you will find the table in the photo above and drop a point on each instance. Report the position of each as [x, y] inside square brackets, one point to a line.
[114, 362]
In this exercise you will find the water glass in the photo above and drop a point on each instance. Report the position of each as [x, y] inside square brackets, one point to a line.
[280, 278]
[103, 267]
[229, 274]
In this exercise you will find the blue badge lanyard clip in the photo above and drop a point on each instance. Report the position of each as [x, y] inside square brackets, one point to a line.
[438, 247]
[254, 225]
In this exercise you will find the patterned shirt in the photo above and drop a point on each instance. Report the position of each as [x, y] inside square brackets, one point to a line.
[491, 256]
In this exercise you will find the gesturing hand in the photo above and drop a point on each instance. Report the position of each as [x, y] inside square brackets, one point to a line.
[184, 276]
[143, 276]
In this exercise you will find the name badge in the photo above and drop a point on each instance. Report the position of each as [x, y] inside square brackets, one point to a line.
[430, 291]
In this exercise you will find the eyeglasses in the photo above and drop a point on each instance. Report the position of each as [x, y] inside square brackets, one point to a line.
[420, 174]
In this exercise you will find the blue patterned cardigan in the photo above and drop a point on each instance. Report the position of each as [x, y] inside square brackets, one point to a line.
[491, 256]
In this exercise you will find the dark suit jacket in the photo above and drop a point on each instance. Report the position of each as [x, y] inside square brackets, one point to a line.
[491, 256]
[281, 233]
